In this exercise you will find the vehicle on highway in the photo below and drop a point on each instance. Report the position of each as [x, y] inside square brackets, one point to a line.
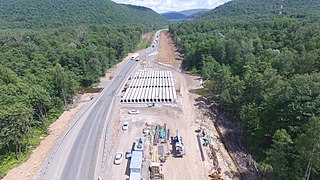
[128, 154]
[118, 158]
[135, 57]
[125, 126]
[133, 111]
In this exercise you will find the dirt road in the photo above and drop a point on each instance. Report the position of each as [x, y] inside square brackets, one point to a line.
[192, 117]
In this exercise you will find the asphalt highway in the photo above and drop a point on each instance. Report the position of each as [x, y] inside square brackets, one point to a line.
[75, 155]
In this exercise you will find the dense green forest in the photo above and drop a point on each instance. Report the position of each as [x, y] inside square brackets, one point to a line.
[265, 74]
[263, 9]
[44, 14]
[39, 72]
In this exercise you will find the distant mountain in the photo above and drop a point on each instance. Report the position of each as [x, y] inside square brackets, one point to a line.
[191, 12]
[264, 9]
[58, 13]
[174, 15]
[182, 15]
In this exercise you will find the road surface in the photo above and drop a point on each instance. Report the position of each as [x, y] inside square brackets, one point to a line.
[76, 155]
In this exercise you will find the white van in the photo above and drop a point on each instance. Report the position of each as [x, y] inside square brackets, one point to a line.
[135, 57]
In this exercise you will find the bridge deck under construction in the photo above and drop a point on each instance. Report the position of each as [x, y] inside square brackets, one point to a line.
[151, 86]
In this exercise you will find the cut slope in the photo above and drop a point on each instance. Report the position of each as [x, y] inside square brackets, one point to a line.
[57, 13]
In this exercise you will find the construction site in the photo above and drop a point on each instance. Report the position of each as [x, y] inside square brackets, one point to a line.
[177, 129]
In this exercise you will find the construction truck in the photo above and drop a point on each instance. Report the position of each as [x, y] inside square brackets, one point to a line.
[178, 145]
[156, 171]
[135, 57]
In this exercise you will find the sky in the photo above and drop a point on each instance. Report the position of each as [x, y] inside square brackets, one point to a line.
[161, 6]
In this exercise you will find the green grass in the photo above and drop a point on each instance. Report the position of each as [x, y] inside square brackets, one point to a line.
[143, 44]
[206, 90]
[202, 92]
[9, 161]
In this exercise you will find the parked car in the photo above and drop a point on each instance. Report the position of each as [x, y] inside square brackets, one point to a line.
[128, 154]
[151, 104]
[118, 158]
[125, 126]
[133, 111]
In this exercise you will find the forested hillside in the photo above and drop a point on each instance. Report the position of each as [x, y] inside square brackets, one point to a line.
[39, 72]
[264, 9]
[265, 74]
[42, 14]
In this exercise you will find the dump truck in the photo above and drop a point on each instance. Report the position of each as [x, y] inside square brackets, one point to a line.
[178, 145]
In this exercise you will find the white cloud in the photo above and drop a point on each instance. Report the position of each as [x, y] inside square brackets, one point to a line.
[174, 5]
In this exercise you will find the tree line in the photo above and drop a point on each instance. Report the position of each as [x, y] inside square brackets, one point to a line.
[264, 74]
[46, 14]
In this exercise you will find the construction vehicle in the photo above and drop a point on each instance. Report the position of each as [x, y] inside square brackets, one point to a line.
[139, 146]
[156, 171]
[215, 176]
[178, 145]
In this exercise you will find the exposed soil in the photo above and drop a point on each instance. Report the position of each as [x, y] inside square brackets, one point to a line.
[147, 37]
[185, 116]
[168, 53]
[217, 157]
